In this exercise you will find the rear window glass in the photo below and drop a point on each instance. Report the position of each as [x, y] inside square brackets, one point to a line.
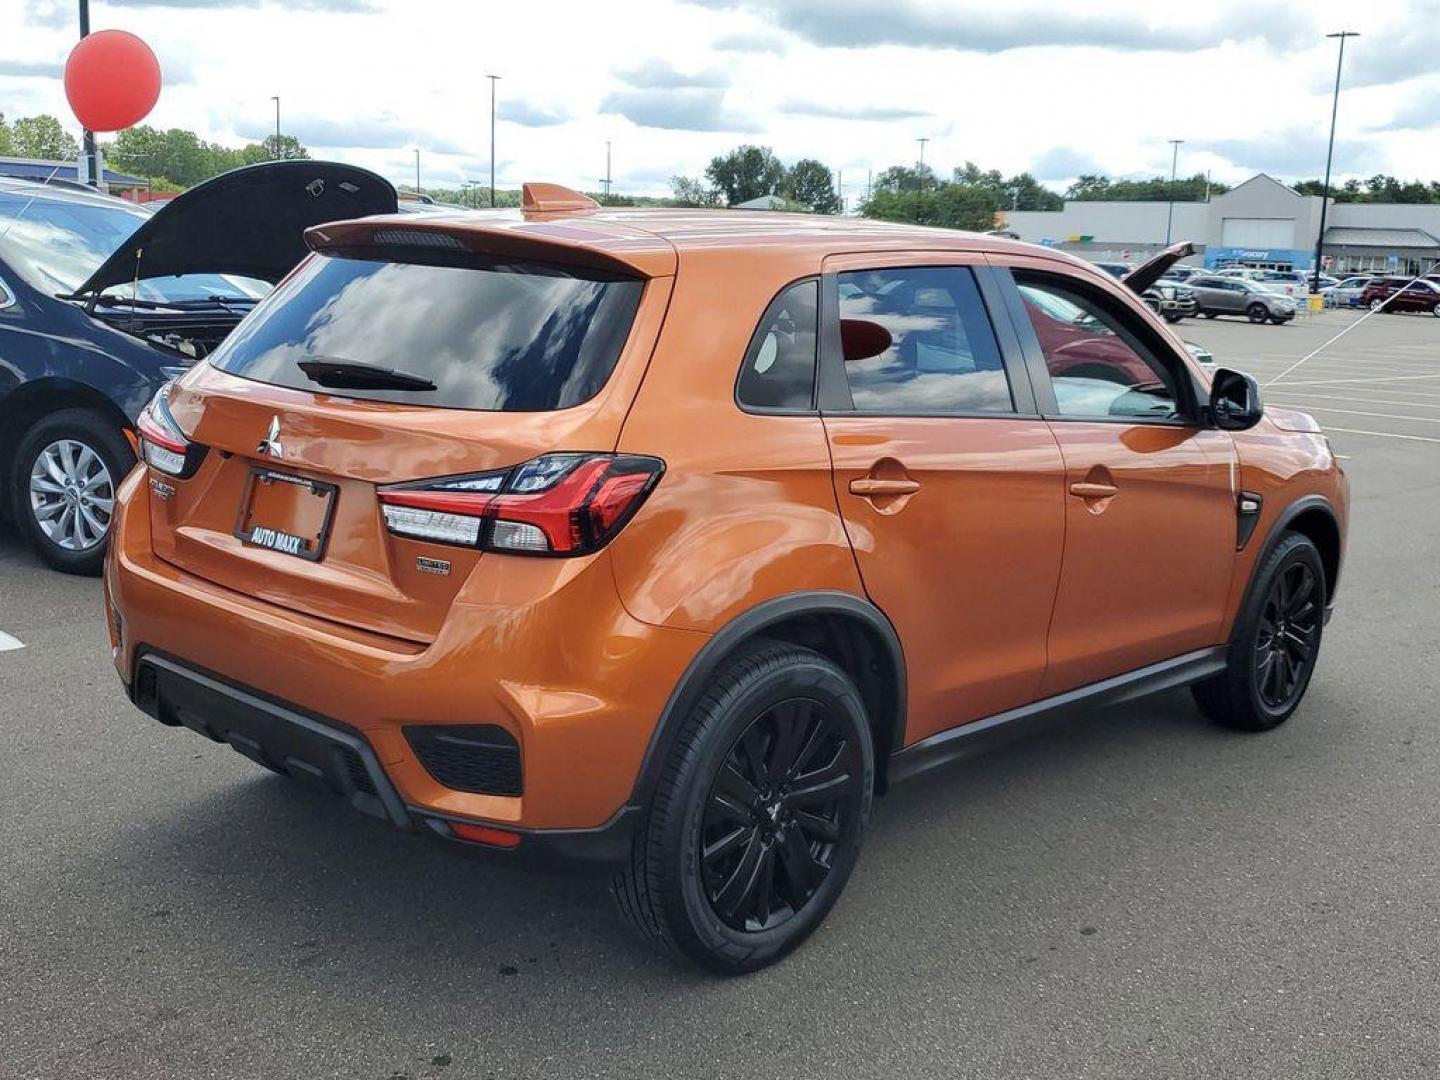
[507, 337]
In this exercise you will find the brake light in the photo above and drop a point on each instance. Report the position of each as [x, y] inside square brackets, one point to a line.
[557, 504]
[163, 445]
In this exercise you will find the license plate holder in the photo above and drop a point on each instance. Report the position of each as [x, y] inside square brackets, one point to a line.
[305, 507]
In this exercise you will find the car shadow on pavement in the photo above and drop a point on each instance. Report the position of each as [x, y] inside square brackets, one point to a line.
[311, 883]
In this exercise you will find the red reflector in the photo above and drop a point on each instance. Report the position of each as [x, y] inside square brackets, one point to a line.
[484, 834]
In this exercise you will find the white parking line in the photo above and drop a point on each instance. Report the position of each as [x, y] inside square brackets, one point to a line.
[9, 643]
[1356, 399]
[1383, 434]
[1377, 415]
[1378, 378]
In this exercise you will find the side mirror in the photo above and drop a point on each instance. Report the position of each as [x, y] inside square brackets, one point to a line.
[1235, 400]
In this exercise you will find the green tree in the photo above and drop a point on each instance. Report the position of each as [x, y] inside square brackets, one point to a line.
[275, 148]
[1156, 189]
[746, 173]
[5, 147]
[900, 178]
[42, 137]
[811, 183]
[687, 191]
[949, 206]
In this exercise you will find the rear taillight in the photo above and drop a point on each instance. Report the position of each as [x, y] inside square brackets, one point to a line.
[162, 444]
[558, 504]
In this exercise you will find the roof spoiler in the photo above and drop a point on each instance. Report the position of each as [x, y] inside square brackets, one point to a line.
[538, 198]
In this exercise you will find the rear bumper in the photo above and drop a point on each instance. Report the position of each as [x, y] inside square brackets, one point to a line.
[326, 755]
[541, 648]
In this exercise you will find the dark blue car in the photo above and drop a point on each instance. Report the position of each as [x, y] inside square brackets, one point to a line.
[102, 302]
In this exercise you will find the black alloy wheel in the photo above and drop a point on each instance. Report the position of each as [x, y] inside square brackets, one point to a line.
[1276, 642]
[1285, 646]
[1257, 313]
[776, 810]
[755, 824]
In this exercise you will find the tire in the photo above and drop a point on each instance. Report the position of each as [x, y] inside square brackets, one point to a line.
[705, 837]
[1250, 694]
[1209, 314]
[1257, 313]
[1435, 311]
[67, 469]
[1278, 321]
[1376, 305]
[1173, 318]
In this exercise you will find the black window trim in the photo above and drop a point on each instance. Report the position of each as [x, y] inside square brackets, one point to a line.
[1039, 373]
[834, 388]
[757, 338]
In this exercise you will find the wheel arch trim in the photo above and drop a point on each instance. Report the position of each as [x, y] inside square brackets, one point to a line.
[1303, 505]
[752, 623]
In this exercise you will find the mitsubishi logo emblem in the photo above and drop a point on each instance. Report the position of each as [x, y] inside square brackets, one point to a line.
[271, 443]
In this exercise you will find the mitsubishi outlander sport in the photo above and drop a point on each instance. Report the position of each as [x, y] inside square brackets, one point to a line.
[661, 541]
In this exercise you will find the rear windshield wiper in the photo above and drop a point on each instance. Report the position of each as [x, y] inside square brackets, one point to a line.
[337, 374]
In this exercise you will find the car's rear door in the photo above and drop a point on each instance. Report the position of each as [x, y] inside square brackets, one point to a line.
[1150, 500]
[948, 482]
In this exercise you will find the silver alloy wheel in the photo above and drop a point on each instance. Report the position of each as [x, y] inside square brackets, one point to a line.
[72, 495]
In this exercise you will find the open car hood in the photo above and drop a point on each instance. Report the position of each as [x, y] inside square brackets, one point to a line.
[1148, 272]
[249, 221]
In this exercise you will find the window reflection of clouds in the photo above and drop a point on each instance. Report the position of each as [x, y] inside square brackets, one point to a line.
[932, 365]
[487, 339]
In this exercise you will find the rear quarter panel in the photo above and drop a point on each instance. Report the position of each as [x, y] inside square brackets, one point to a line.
[746, 511]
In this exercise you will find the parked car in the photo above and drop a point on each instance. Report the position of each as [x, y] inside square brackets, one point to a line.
[1232, 295]
[101, 302]
[1290, 283]
[1115, 269]
[1200, 353]
[1171, 300]
[539, 546]
[1399, 294]
[1183, 273]
[1345, 293]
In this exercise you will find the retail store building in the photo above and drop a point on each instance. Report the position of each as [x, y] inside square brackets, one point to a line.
[1260, 223]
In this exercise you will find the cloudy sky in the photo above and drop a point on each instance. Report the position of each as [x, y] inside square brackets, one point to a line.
[1058, 88]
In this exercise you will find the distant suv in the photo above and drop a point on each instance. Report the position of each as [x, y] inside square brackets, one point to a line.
[1402, 294]
[662, 540]
[1218, 295]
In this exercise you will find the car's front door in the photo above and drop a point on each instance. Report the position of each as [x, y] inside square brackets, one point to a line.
[1150, 503]
[948, 481]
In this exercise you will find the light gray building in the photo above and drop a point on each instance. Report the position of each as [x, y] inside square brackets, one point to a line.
[1260, 223]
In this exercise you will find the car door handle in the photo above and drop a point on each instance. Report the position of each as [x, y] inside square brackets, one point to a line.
[869, 485]
[1094, 491]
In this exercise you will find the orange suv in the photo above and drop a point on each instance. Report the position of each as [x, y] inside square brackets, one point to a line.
[660, 541]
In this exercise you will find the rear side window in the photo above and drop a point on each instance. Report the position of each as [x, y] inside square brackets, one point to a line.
[779, 369]
[922, 343]
[510, 337]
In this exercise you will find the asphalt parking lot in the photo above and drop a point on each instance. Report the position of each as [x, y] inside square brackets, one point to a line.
[1136, 895]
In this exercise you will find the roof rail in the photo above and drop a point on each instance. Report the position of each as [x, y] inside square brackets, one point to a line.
[553, 198]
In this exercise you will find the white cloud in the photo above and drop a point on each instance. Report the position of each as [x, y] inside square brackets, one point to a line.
[671, 83]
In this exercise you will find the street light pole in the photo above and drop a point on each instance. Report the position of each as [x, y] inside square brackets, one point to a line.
[92, 162]
[1329, 158]
[607, 168]
[417, 170]
[493, 80]
[1174, 163]
[276, 99]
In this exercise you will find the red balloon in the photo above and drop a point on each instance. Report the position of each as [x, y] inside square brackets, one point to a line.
[112, 80]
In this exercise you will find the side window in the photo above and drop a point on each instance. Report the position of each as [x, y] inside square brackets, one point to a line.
[779, 368]
[1095, 369]
[918, 340]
